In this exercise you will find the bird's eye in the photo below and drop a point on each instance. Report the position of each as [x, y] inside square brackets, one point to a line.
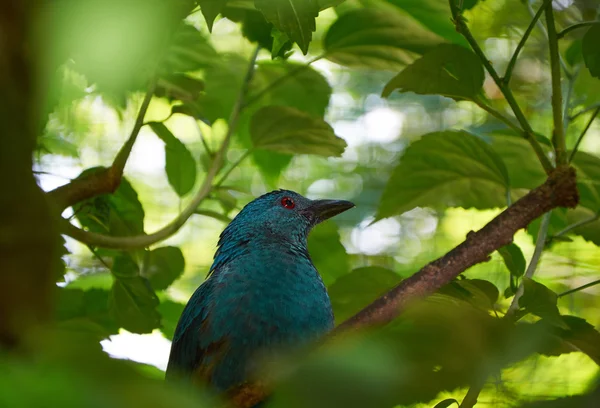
[288, 203]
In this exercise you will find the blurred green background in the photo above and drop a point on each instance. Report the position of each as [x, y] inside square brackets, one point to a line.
[104, 50]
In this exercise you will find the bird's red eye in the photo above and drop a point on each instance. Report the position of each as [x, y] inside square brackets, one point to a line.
[288, 203]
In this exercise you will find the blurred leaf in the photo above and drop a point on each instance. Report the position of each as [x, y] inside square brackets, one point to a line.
[132, 301]
[55, 143]
[327, 253]
[578, 335]
[288, 130]
[188, 50]
[254, 26]
[479, 293]
[523, 167]
[591, 51]
[353, 291]
[541, 301]
[179, 86]
[86, 310]
[455, 169]
[513, 259]
[433, 14]
[210, 10]
[574, 53]
[180, 164]
[120, 213]
[588, 179]
[446, 403]
[448, 70]
[296, 18]
[162, 266]
[271, 165]
[170, 313]
[304, 88]
[377, 39]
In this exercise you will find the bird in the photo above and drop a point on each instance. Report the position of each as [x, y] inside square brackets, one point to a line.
[262, 293]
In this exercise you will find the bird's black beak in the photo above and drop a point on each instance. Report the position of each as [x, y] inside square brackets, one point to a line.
[321, 210]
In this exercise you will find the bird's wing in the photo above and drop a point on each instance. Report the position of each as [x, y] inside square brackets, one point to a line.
[195, 349]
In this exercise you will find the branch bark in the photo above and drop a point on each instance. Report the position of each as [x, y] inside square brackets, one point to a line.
[107, 180]
[559, 190]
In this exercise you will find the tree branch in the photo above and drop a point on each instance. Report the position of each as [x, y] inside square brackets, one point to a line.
[143, 241]
[559, 190]
[107, 180]
[558, 135]
[462, 28]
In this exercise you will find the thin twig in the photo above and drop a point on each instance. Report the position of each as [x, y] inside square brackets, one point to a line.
[583, 133]
[499, 116]
[575, 27]
[587, 285]
[513, 59]
[462, 28]
[214, 214]
[577, 225]
[281, 80]
[105, 181]
[232, 167]
[558, 135]
[584, 111]
[142, 241]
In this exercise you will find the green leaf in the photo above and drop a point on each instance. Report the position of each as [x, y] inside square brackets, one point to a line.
[288, 130]
[377, 39]
[179, 86]
[188, 51]
[541, 301]
[210, 10]
[180, 164]
[86, 310]
[513, 259]
[296, 18]
[162, 266]
[132, 301]
[588, 179]
[170, 312]
[591, 51]
[433, 14]
[120, 213]
[478, 292]
[281, 42]
[446, 403]
[524, 169]
[455, 169]
[449, 70]
[303, 88]
[355, 290]
[578, 335]
[327, 252]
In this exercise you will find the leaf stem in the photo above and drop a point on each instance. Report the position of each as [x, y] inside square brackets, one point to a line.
[281, 80]
[233, 166]
[513, 59]
[558, 135]
[143, 241]
[575, 27]
[584, 111]
[587, 285]
[214, 214]
[108, 180]
[462, 28]
[583, 133]
[540, 243]
[577, 225]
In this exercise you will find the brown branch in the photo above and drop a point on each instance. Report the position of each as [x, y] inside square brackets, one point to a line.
[105, 181]
[559, 190]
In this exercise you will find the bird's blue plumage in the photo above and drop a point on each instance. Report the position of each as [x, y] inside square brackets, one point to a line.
[263, 293]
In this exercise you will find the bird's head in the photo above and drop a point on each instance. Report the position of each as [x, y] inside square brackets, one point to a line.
[281, 215]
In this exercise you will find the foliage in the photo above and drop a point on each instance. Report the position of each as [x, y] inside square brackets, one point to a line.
[471, 86]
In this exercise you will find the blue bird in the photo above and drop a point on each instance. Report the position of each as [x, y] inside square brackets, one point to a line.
[263, 293]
